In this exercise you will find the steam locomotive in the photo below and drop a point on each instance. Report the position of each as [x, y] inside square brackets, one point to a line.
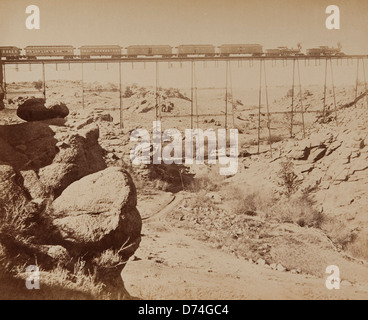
[164, 51]
[325, 51]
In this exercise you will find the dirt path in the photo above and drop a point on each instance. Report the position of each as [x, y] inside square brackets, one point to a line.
[170, 264]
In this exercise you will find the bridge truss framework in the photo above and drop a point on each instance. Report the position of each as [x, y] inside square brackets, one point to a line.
[194, 115]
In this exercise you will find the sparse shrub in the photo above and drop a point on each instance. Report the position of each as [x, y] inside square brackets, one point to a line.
[14, 221]
[289, 94]
[161, 185]
[128, 92]
[38, 85]
[108, 258]
[359, 247]
[249, 201]
[275, 139]
[247, 205]
[252, 142]
[143, 92]
[200, 200]
[211, 182]
[75, 282]
[286, 122]
[114, 87]
[298, 209]
[169, 92]
[288, 178]
[337, 231]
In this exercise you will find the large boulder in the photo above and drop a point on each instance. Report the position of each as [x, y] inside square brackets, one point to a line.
[35, 110]
[96, 218]
[51, 153]
[98, 213]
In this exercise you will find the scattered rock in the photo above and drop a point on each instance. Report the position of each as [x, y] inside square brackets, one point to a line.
[333, 146]
[261, 262]
[82, 123]
[317, 154]
[358, 165]
[216, 198]
[346, 283]
[104, 117]
[62, 145]
[342, 176]
[306, 167]
[293, 271]
[58, 253]
[280, 268]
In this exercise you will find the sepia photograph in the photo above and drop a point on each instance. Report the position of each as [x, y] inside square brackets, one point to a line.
[187, 150]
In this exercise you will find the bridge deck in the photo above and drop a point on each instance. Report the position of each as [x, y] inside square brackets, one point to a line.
[177, 59]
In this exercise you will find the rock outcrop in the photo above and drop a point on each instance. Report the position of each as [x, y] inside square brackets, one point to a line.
[74, 208]
[50, 157]
[35, 110]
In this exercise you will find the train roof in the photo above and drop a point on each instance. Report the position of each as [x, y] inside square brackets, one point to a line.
[148, 46]
[10, 47]
[51, 46]
[196, 45]
[240, 45]
[101, 46]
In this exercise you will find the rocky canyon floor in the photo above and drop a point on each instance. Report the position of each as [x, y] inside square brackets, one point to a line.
[270, 231]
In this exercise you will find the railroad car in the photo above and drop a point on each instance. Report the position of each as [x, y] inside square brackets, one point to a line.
[272, 52]
[33, 52]
[314, 52]
[10, 53]
[241, 49]
[113, 51]
[149, 51]
[207, 50]
[284, 51]
[325, 51]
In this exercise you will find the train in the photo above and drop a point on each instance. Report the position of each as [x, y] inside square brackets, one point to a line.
[163, 51]
[325, 51]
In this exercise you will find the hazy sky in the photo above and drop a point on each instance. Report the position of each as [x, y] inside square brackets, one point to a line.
[268, 22]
